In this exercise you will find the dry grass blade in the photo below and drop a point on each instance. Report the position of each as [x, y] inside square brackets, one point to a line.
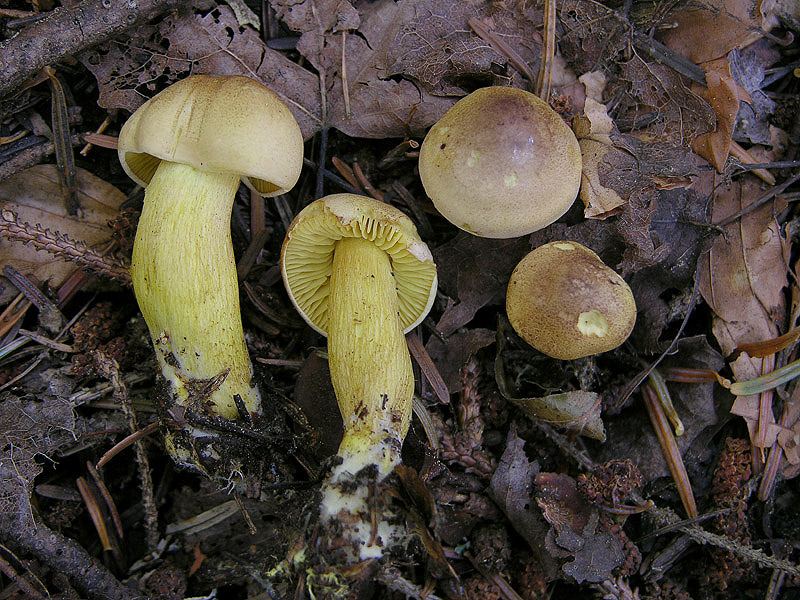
[124, 443]
[62, 141]
[94, 512]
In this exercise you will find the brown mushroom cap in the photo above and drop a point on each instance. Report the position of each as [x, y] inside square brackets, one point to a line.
[501, 163]
[229, 124]
[565, 302]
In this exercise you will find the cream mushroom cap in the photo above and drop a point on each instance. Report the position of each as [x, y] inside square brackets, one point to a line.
[230, 124]
[501, 163]
[307, 255]
[565, 302]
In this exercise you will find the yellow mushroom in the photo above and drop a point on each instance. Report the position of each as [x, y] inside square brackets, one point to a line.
[357, 271]
[565, 302]
[190, 146]
[501, 163]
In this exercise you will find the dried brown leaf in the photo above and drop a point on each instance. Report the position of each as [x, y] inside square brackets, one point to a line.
[723, 95]
[712, 29]
[35, 195]
[678, 114]
[742, 280]
[402, 58]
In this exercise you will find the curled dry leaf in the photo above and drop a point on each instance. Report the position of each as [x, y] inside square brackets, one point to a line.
[576, 410]
[35, 195]
[723, 94]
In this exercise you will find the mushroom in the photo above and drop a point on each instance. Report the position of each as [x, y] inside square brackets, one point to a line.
[357, 271]
[565, 302]
[190, 145]
[501, 163]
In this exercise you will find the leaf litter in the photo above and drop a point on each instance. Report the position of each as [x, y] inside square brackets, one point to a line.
[668, 102]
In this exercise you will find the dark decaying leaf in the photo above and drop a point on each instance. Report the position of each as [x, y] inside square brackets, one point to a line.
[658, 92]
[630, 434]
[594, 555]
[512, 489]
[129, 71]
[452, 353]
[748, 68]
[474, 271]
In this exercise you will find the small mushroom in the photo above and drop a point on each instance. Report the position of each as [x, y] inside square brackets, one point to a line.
[501, 163]
[190, 145]
[357, 271]
[565, 302]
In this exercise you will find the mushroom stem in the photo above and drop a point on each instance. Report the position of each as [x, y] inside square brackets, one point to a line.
[184, 277]
[369, 361]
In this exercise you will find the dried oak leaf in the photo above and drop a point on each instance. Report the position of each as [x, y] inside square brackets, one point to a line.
[131, 70]
[34, 195]
[742, 280]
[475, 271]
[594, 555]
[678, 115]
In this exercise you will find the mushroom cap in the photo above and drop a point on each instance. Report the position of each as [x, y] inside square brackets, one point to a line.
[501, 163]
[230, 124]
[565, 302]
[307, 255]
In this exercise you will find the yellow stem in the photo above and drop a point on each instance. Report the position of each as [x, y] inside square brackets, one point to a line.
[369, 360]
[184, 276]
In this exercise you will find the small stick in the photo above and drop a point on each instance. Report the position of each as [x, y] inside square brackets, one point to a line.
[670, 448]
[365, 183]
[747, 159]
[112, 506]
[124, 443]
[347, 172]
[103, 126]
[65, 159]
[109, 368]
